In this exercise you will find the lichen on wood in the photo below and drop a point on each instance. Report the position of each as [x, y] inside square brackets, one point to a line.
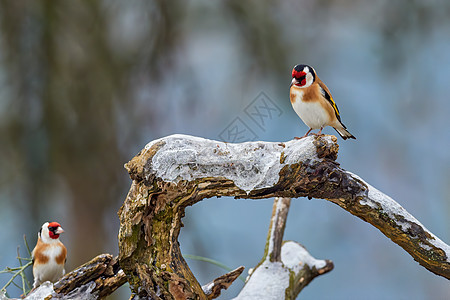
[177, 171]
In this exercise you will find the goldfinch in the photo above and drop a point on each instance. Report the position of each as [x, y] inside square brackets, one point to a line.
[313, 103]
[49, 255]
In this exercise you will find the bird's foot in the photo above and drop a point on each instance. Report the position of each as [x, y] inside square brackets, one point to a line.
[306, 134]
[299, 138]
[319, 133]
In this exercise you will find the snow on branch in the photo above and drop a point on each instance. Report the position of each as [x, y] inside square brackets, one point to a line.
[212, 290]
[177, 171]
[95, 279]
[286, 268]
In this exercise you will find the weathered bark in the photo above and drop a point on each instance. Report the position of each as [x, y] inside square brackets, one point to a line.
[177, 171]
[212, 290]
[276, 229]
[103, 270]
[95, 279]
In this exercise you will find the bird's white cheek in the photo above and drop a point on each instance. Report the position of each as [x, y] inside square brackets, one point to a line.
[309, 80]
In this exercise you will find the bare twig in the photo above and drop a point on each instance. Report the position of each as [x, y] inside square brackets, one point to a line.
[26, 244]
[212, 290]
[25, 283]
[18, 271]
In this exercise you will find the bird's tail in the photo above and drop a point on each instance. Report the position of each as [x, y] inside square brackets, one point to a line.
[343, 132]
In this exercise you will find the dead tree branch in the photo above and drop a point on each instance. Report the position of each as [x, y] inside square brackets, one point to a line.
[286, 268]
[212, 290]
[174, 172]
[96, 279]
[276, 230]
[103, 270]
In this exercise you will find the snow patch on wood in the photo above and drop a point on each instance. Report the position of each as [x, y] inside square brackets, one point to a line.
[207, 288]
[43, 291]
[295, 257]
[378, 200]
[268, 281]
[46, 291]
[251, 165]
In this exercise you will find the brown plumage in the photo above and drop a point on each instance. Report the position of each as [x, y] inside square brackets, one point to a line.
[49, 254]
[312, 101]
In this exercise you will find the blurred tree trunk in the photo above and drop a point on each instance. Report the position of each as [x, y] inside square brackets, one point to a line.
[66, 82]
[69, 82]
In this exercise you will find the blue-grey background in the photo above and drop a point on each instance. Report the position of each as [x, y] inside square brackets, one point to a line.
[85, 85]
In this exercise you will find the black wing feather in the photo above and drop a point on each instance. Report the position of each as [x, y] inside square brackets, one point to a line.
[333, 104]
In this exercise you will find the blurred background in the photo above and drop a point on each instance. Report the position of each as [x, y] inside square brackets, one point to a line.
[85, 85]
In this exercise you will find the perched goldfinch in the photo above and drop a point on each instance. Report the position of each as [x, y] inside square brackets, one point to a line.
[313, 103]
[49, 255]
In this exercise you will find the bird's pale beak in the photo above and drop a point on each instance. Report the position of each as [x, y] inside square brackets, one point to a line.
[59, 230]
[294, 81]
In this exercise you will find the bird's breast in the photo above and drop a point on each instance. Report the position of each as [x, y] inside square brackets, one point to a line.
[53, 253]
[312, 113]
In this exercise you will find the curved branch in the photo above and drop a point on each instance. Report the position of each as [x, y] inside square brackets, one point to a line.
[174, 172]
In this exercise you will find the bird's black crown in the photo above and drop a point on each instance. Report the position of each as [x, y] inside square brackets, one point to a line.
[300, 68]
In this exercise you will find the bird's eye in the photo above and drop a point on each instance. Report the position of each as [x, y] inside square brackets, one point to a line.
[51, 228]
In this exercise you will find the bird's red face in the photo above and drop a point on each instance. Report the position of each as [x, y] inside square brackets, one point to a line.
[303, 76]
[54, 230]
[299, 77]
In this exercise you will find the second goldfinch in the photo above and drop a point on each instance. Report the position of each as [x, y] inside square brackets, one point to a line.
[313, 103]
[49, 255]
